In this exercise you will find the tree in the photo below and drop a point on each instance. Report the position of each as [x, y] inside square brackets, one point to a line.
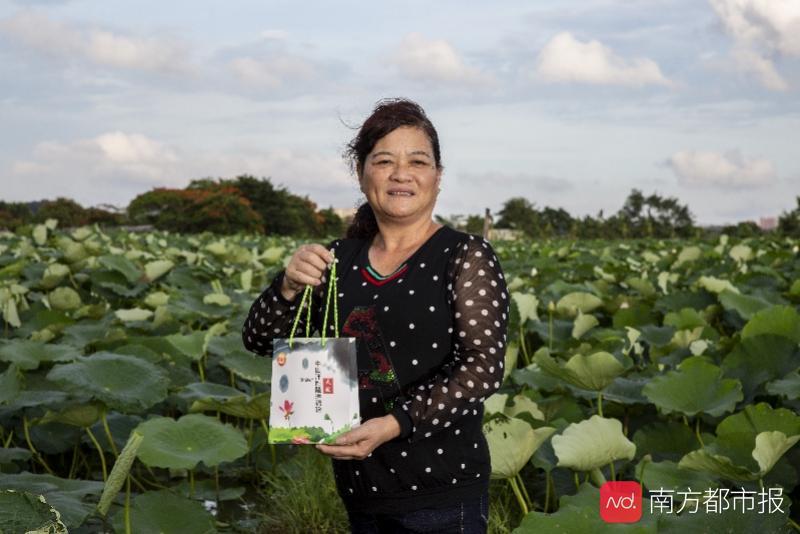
[789, 221]
[518, 213]
[653, 216]
[67, 211]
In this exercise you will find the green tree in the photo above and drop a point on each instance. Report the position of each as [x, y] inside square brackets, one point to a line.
[789, 221]
[519, 214]
[68, 212]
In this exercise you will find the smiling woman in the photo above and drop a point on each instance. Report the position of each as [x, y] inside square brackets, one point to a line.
[429, 308]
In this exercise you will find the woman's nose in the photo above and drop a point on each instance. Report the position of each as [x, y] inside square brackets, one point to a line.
[401, 172]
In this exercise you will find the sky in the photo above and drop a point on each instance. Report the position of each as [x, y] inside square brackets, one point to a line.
[568, 103]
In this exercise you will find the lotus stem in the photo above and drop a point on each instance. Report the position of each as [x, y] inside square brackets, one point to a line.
[191, 483]
[550, 328]
[577, 482]
[523, 345]
[128, 506]
[216, 481]
[201, 368]
[520, 499]
[524, 490]
[33, 450]
[697, 431]
[546, 491]
[597, 477]
[794, 524]
[7, 442]
[74, 465]
[108, 434]
[99, 451]
[600, 403]
[611, 467]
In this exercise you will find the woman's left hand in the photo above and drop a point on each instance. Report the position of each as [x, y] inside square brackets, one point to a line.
[358, 443]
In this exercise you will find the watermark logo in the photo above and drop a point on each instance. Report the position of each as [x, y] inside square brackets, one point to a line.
[621, 501]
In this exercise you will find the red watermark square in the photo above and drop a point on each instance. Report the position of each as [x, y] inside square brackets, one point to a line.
[621, 501]
[327, 385]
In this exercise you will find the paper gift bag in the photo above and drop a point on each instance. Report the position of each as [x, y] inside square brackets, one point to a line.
[314, 390]
[314, 396]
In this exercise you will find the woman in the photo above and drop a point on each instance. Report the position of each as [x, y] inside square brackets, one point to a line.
[430, 308]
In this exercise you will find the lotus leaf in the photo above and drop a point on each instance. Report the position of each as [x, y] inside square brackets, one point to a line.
[25, 512]
[788, 387]
[496, 403]
[526, 306]
[156, 269]
[778, 320]
[512, 442]
[133, 314]
[745, 305]
[163, 511]
[578, 301]
[53, 275]
[688, 254]
[592, 444]
[27, 355]
[583, 323]
[124, 383]
[67, 496]
[524, 405]
[248, 366]
[696, 386]
[593, 372]
[716, 285]
[122, 265]
[193, 438]
[64, 298]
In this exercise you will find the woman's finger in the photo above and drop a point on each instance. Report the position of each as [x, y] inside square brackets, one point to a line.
[324, 254]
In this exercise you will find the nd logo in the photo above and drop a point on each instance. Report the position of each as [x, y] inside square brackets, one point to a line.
[621, 501]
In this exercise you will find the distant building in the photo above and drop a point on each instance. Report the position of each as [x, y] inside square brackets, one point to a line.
[768, 223]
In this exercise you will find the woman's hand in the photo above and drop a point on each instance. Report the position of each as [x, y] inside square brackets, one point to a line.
[361, 441]
[305, 267]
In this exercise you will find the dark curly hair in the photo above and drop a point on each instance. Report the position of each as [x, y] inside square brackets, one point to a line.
[388, 115]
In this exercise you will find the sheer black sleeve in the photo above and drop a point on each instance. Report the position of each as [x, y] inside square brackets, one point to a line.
[271, 315]
[480, 305]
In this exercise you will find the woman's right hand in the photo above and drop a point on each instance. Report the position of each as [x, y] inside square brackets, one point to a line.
[305, 267]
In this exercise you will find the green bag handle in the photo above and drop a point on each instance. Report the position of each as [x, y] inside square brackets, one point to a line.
[307, 295]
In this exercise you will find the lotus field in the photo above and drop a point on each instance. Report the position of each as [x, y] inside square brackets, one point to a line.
[128, 403]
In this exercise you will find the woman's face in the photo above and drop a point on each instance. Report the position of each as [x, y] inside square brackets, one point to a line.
[400, 177]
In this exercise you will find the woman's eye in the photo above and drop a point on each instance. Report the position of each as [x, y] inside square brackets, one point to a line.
[419, 162]
[382, 162]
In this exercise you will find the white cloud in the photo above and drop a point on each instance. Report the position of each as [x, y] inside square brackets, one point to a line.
[41, 33]
[272, 72]
[566, 59]
[762, 30]
[435, 60]
[116, 166]
[277, 35]
[714, 169]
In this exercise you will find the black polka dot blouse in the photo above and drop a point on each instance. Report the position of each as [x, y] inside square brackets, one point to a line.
[431, 343]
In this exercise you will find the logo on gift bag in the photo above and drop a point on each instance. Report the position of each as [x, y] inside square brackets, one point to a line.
[327, 385]
[621, 501]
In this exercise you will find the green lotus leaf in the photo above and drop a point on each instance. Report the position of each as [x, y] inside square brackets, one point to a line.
[526, 305]
[165, 512]
[193, 438]
[716, 285]
[25, 512]
[592, 443]
[156, 299]
[740, 253]
[66, 496]
[40, 234]
[81, 233]
[81, 415]
[642, 285]
[220, 299]
[788, 387]
[578, 514]
[53, 275]
[14, 454]
[696, 386]
[759, 359]
[593, 372]
[778, 320]
[665, 440]
[745, 305]
[248, 366]
[716, 464]
[685, 319]
[27, 355]
[736, 434]
[190, 345]
[512, 442]
[496, 403]
[667, 475]
[133, 314]
[523, 404]
[510, 357]
[122, 265]
[244, 406]
[688, 254]
[9, 384]
[578, 301]
[64, 298]
[124, 383]
[272, 255]
[770, 446]
[156, 269]
[582, 324]
[10, 313]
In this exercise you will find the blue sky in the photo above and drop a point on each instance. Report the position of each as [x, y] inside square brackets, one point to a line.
[570, 103]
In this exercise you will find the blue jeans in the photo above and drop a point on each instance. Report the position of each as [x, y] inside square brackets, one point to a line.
[466, 517]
